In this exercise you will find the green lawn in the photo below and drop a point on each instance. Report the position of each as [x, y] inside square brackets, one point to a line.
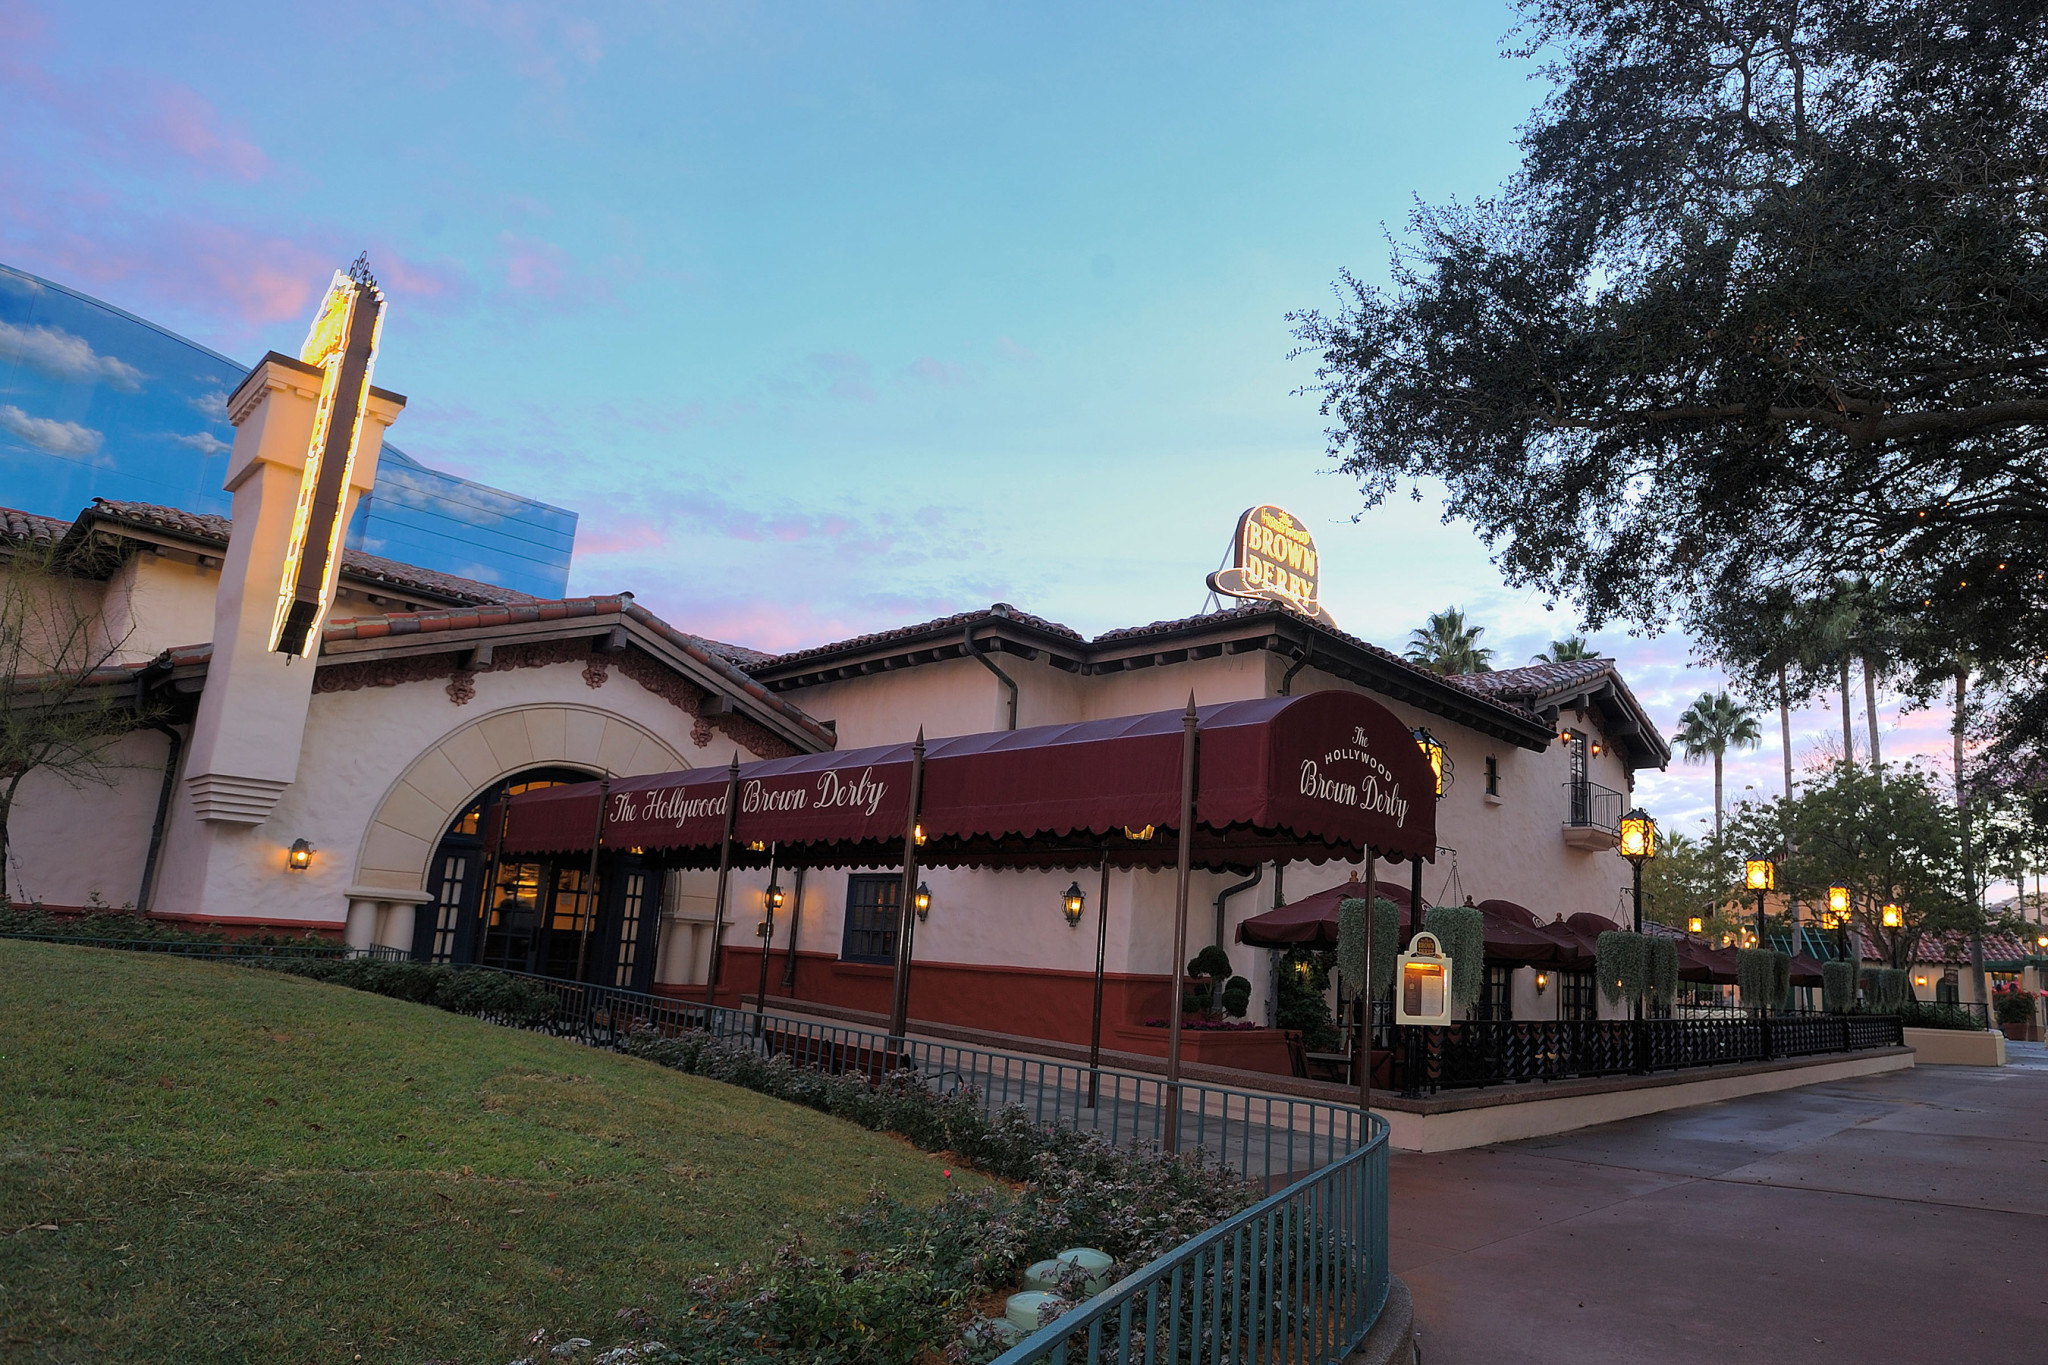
[215, 1163]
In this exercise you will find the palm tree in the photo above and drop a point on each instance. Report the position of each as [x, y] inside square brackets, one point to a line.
[1567, 650]
[1709, 728]
[1448, 646]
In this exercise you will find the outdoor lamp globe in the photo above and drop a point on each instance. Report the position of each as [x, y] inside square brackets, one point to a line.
[1072, 904]
[1696, 925]
[300, 857]
[774, 896]
[1892, 917]
[1760, 874]
[1638, 836]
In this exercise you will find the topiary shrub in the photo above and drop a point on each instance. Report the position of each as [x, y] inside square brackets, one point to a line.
[1838, 987]
[1461, 930]
[1663, 972]
[1237, 997]
[1300, 999]
[1214, 964]
[1764, 976]
[1622, 963]
[1886, 989]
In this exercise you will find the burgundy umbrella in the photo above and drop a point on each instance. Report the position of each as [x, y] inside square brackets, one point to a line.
[1311, 922]
[1513, 934]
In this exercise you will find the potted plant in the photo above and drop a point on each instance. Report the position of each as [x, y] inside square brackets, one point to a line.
[2014, 1010]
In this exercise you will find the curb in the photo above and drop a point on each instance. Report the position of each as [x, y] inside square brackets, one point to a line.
[1392, 1338]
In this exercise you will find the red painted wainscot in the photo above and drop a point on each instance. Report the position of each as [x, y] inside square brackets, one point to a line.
[1248, 1049]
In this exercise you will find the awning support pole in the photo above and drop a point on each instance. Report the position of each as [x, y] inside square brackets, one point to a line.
[1101, 948]
[767, 940]
[732, 791]
[589, 917]
[1363, 1046]
[1414, 892]
[796, 919]
[1188, 741]
[906, 913]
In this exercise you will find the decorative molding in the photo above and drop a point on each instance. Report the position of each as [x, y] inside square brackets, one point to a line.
[346, 675]
[231, 800]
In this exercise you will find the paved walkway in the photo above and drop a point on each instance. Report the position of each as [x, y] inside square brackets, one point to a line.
[1902, 1216]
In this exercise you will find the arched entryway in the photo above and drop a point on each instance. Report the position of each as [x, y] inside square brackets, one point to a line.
[538, 915]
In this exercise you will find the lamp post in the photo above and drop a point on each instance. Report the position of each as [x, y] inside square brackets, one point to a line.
[1441, 773]
[1638, 845]
[771, 901]
[1760, 875]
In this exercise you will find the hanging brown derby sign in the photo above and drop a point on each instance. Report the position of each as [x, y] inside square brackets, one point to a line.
[1273, 559]
[343, 344]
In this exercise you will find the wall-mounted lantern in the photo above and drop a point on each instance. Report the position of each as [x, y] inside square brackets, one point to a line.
[923, 902]
[1439, 760]
[1424, 996]
[1542, 982]
[300, 857]
[1920, 980]
[1072, 904]
[917, 834]
[1696, 925]
[773, 897]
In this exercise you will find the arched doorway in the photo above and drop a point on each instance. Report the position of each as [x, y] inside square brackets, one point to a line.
[539, 915]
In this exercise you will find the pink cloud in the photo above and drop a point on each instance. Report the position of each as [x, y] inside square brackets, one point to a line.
[846, 376]
[936, 371]
[178, 119]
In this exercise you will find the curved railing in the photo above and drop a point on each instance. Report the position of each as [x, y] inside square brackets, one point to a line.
[1300, 1277]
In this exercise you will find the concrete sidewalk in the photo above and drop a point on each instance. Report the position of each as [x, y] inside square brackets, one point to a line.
[1898, 1216]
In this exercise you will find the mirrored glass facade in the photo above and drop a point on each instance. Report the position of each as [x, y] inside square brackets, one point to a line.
[98, 403]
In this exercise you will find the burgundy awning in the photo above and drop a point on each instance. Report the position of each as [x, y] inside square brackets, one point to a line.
[1314, 777]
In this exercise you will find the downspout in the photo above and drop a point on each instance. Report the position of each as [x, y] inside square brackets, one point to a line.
[1227, 892]
[163, 812]
[1001, 676]
[1308, 651]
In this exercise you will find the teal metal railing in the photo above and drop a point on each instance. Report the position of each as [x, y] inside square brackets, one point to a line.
[1300, 1278]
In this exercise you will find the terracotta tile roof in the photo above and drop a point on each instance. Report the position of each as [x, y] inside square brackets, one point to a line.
[355, 564]
[1536, 680]
[1951, 948]
[17, 526]
[500, 614]
[942, 625]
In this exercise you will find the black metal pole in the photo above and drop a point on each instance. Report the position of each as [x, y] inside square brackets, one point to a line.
[1189, 739]
[604, 800]
[796, 919]
[1101, 949]
[1639, 919]
[767, 938]
[732, 788]
[906, 913]
[1362, 1047]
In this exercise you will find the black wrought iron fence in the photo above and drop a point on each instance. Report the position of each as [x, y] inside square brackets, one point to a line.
[1480, 1053]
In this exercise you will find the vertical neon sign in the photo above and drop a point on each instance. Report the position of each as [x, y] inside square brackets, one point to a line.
[343, 343]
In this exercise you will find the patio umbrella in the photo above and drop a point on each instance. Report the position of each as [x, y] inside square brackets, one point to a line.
[1311, 922]
[1514, 935]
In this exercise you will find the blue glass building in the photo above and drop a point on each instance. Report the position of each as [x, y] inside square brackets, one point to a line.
[98, 403]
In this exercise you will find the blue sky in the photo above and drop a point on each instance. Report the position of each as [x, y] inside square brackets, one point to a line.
[823, 318]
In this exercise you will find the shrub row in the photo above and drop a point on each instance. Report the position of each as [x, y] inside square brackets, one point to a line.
[489, 995]
[125, 924]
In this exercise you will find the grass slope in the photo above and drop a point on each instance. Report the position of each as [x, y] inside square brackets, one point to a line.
[203, 1162]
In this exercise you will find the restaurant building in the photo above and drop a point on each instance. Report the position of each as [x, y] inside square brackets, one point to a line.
[321, 737]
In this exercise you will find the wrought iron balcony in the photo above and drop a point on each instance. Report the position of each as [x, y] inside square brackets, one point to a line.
[1592, 816]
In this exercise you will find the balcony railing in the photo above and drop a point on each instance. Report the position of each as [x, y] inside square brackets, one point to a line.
[1588, 805]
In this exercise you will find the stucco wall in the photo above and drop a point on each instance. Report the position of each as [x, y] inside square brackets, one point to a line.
[69, 842]
[373, 814]
[158, 602]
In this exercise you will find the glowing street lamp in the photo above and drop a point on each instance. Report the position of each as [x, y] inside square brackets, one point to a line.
[1638, 845]
[1760, 875]
[1892, 917]
[1072, 904]
[1696, 925]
